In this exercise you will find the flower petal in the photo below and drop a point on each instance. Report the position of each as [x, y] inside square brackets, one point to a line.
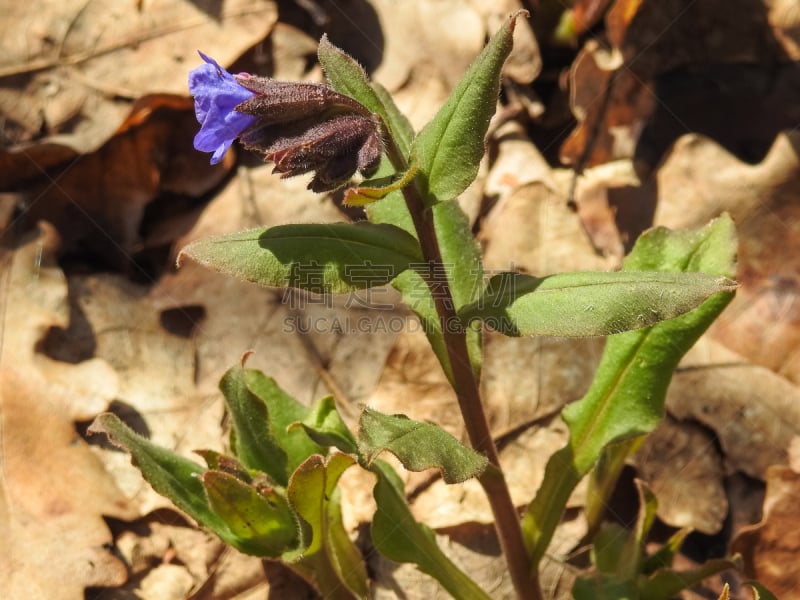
[216, 94]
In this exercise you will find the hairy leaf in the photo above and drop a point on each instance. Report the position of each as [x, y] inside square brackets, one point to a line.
[169, 474]
[450, 147]
[399, 537]
[326, 552]
[260, 521]
[626, 398]
[347, 77]
[418, 446]
[330, 258]
[590, 303]
[462, 266]
[260, 415]
[227, 464]
[398, 123]
[325, 426]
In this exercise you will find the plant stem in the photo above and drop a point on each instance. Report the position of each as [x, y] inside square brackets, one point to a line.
[525, 580]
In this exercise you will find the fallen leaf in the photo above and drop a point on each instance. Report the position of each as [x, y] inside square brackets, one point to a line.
[448, 35]
[611, 208]
[77, 57]
[170, 582]
[612, 106]
[784, 17]
[770, 548]
[683, 469]
[753, 412]
[667, 60]
[149, 155]
[763, 321]
[312, 345]
[52, 487]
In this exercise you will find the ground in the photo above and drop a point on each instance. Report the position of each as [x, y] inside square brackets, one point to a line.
[614, 116]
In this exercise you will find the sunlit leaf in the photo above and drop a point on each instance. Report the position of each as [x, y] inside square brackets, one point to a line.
[347, 77]
[325, 426]
[418, 446]
[326, 552]
[260, 521]
[626, 398]
[260, 415]
[332, 258]
[590, 303]
[449, 148]
[169, 474]
[399, 537]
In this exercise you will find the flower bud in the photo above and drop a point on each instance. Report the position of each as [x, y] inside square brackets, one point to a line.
[335, 149]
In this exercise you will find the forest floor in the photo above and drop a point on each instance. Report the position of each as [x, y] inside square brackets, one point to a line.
[614, 116]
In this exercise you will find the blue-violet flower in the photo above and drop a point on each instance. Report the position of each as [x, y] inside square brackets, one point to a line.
[216, 95]
[301, 127]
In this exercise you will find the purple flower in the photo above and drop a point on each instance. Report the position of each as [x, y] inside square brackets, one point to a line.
[301, 127]
[216, 95]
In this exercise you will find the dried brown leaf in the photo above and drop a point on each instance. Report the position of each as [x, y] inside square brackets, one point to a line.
[770, 548]
[753, 412]
[76, 57]
[150, 154]
[680, 463]
[668, 63]
[51, 485]
[698, 180]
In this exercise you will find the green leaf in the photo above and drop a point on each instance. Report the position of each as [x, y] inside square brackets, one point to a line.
[449, 148]
[325, 426]
[260, 416]
[399, 537]
[607, 547]
[418, 446]
[590, 303]
[330, 258]
[347, 77]
[327, 552]
[603, 588]
[260, 521]
[461, 253]
[169, 474]
[617, 552]
[415, 292]
[626, 398]
[630, 560]
[605, 582]
[603, 479]
[667, 583]
[461, 257]
[663, 557]
[617, 575]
